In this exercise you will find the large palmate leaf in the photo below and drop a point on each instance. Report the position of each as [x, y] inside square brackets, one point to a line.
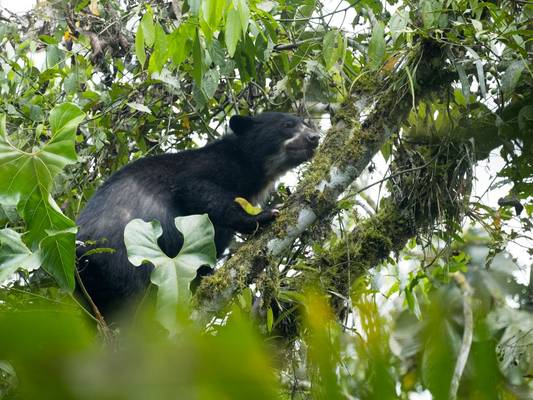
[24, 172]
[172, 276]
[27, 177]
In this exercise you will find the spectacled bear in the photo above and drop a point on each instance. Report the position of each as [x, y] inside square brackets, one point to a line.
[206, 180]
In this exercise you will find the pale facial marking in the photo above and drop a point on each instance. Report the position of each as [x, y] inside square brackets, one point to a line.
[280, 162]
[301, 130]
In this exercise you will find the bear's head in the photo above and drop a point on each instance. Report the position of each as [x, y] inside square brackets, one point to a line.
[277, 141]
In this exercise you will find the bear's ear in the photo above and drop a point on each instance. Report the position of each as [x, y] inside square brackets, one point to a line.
[240, 124]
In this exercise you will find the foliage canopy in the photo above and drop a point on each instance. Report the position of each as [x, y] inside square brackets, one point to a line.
[410, 282]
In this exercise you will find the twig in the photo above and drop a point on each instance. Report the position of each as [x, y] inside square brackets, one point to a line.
[318, 17]
[292, 46]
[99, 317]
[466, 291]
[395, 175]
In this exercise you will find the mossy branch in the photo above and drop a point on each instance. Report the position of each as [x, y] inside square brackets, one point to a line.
[348, 147]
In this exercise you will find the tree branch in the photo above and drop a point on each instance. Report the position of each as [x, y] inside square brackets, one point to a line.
[347, 149]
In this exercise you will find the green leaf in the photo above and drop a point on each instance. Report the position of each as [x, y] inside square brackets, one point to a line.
[210, 83]
[160, 55]
[3, 131]
[412, 301]
[14, 254]
[168, 78]
[398, 23]
[217, 53]
[465, 84]
[438, 358]
[42, 215]
[81, 5]
[332, 48]
[59, 253]
[430, 12]
[244, 13]
[376, 47]
[525, 118]
[172, 276]
[64, 121]
[24, 172]
[233, 30]
[179, 45]
[212, 11]
[477, 25]
[265, 6]
[70, 84]
[194, 6]
[48, 39]
[386, 150]
[148, 28]
[140, 52]
[140, 107]
[54, 56]
[197, 58]
[28, 176]
[511, 76]
[269, 319]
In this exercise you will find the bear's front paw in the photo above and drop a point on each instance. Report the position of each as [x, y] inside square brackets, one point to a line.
[267, 216]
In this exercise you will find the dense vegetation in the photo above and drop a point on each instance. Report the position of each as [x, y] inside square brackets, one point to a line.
[391, 272]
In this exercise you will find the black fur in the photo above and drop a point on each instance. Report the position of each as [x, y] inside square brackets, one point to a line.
[206, 180]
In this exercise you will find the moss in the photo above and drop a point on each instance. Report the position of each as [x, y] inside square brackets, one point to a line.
[268, 285]
[210, 288]
[366, 84]
[287, 218]
[341, 147]
[231, 275]
[353, 149]
[364, 248]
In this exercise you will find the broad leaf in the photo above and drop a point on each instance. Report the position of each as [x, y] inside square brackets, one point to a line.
[333, 48]
[172, 276]
[194, 6]
[21, 171]
[511, 76]
[139, 46]
[244, 13]
[212, 12]
[28, 177]
[140, 107]
[197, 58]
[376, 47]
[430, 11]
[58, 253]
[233, 30]
[179, 45]
[398, 23]
[480, 72]
[14, 254]
[160, 55]
[147, 24]
[210, 83]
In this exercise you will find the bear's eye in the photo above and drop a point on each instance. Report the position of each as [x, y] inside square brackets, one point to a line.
[289, 124]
